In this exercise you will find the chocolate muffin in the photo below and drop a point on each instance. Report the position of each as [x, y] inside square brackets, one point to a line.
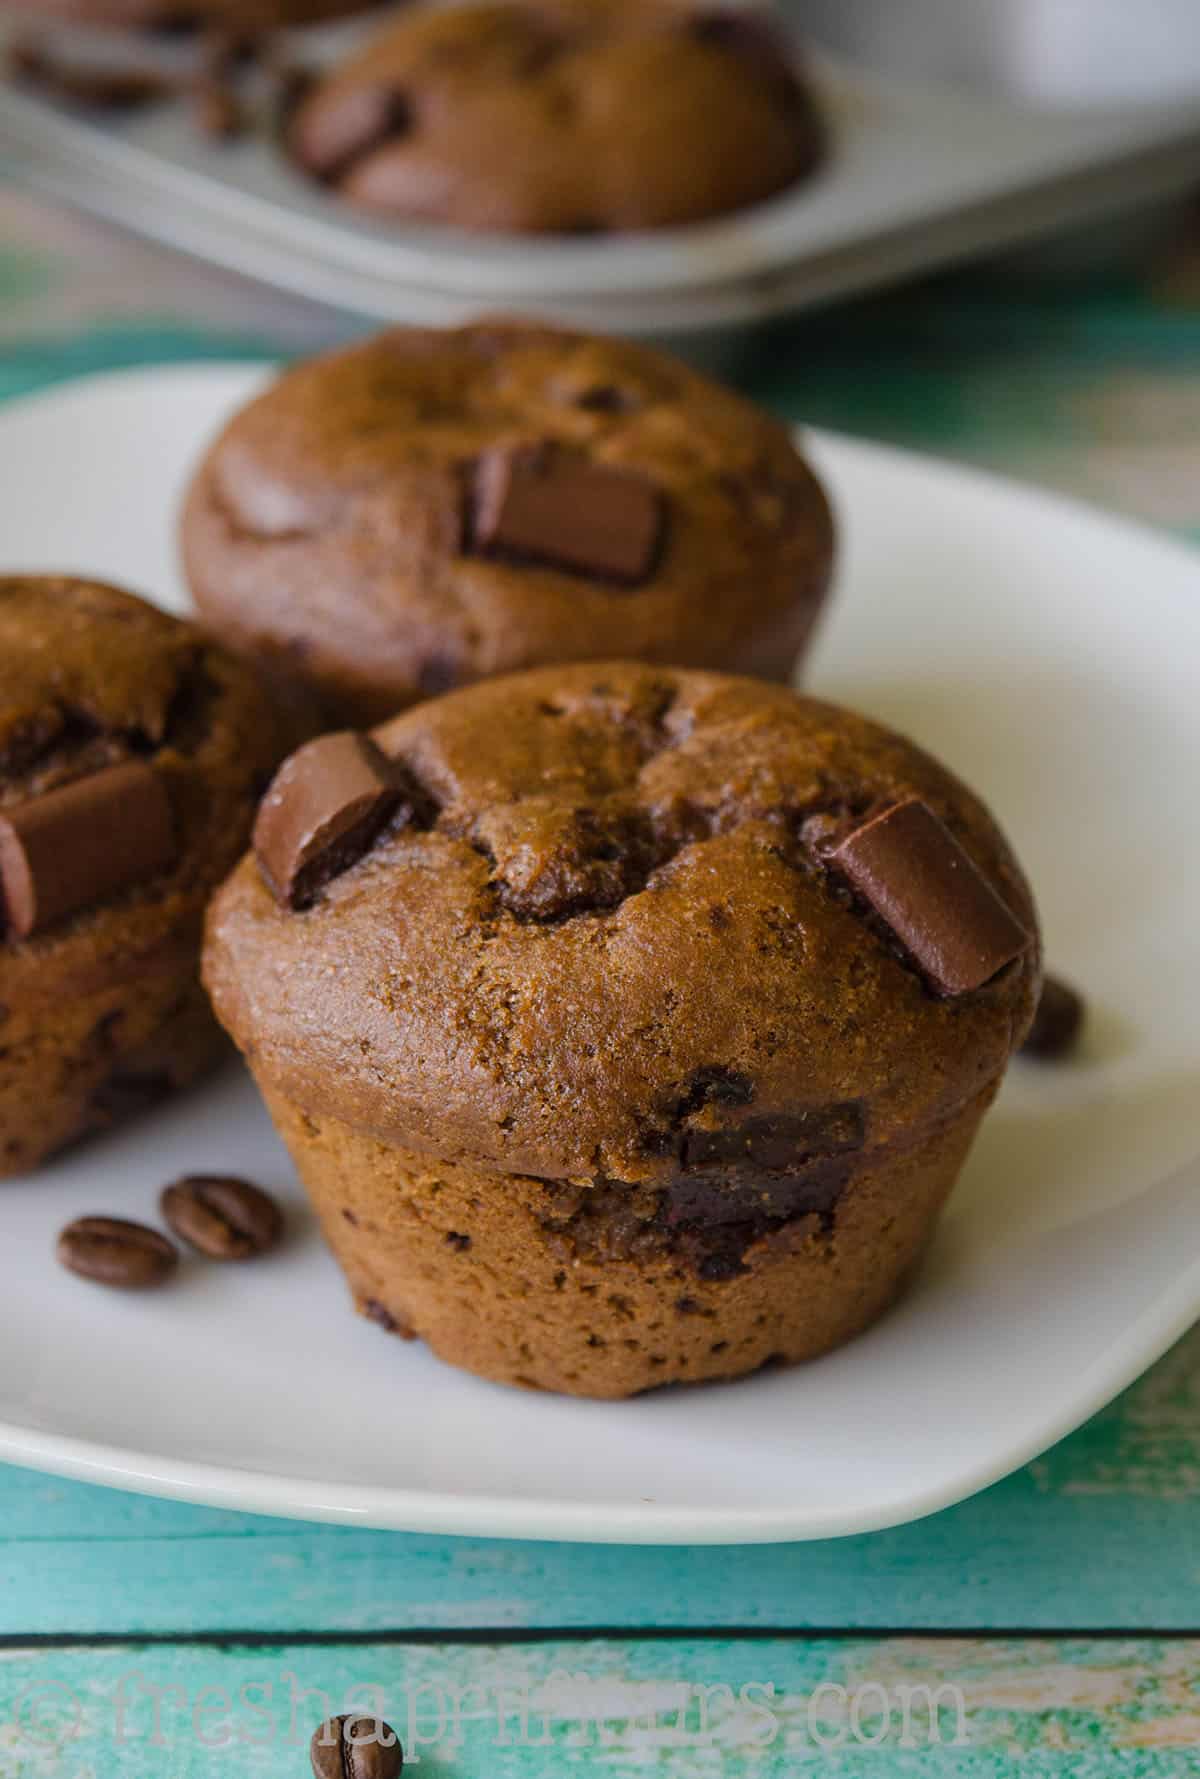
[181, 16]
[562, 116]
[132, 753]
[428, 508]
[626, 1026]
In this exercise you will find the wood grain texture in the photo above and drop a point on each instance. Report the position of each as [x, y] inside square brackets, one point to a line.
[673, 1708]
[1103, 1532]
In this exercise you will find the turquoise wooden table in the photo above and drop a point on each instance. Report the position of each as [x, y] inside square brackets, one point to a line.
[1050, 1626]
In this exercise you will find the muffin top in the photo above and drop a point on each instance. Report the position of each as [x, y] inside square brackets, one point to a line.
[132, 752]
[562, 116]
[426, 508]
[604, 925]
[186, 15]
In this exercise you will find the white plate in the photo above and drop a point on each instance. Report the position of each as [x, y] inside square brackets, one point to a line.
[1047, 651]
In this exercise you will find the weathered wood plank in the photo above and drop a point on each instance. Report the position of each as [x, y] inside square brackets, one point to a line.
[673, 1707]
[1102, 1532]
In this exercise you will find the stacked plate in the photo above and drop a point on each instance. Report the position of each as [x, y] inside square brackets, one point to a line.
[916, 175]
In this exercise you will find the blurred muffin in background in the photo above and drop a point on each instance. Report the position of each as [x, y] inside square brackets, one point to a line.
[562, 117]
[181, 16]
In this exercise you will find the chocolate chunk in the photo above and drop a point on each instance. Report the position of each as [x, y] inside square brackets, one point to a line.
[218, 112]
[437, 674]
[779, 1143]
[80, 844]
[127, 1093]
[607, 398]
[1057, 1022]
[110, 1251]
[102, 89]
[356, 1748]
[291, 83]
[223, 1218]
[714, 1085]
[748, 33]
[910, 869]
[717, 1201]
[543, 504]
[225, 50]
[326, 806]
[336, 134]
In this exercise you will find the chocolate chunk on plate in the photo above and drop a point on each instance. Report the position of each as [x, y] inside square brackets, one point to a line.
[82, 843]
[910, 869]
[326, 806]
[1057, 1023]
[544, 504]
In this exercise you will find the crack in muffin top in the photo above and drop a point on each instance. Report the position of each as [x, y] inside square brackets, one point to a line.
[611, 939]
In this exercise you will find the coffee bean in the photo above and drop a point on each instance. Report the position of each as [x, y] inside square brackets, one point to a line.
[356, 1748]
[110, 1251]
[1057, 1022]
[226, 1219]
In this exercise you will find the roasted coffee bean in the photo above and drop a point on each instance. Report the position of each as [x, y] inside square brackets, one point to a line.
[110, 1251]
[356, 1748]
[226, 1219]
[1057, 1022]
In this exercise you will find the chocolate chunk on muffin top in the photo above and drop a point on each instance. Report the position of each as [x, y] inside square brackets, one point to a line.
[429, 508]
[612, 937]
[562, 116]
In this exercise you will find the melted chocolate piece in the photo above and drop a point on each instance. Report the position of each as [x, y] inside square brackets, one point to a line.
[1057, 1022]
[82, 843]
[779, 1143]
[326, 807]
[908, 867]
[761, 1199]
[542, 504]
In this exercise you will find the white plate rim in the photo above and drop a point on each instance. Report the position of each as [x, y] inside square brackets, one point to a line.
[483, 1515]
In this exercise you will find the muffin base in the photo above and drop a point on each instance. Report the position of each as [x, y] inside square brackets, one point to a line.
[468, 1261]
[84, 1062]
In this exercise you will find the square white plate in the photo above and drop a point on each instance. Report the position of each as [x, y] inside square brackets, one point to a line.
[1049, 653]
